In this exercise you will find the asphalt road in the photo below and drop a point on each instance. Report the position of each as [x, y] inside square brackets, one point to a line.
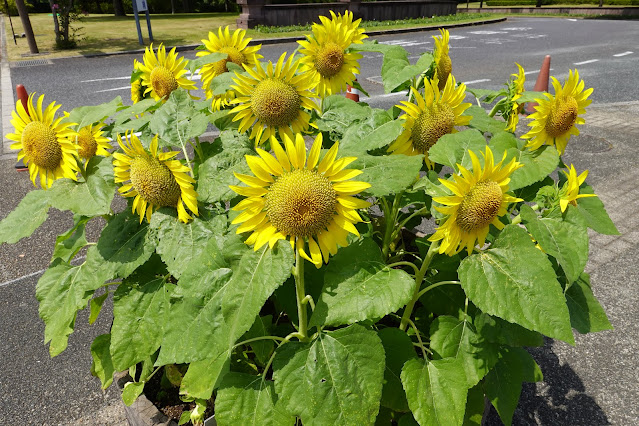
[595, 383]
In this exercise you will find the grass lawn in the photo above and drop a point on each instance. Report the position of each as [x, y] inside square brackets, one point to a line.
[107, 33]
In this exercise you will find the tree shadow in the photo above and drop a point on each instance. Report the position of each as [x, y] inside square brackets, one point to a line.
[560, 400]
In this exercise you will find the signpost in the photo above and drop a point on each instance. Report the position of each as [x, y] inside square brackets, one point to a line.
[141, 6]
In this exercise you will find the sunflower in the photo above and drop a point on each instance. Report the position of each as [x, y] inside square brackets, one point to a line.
[556, 116]
[570, 192]
[138, 90]
[155, 180]
[273, 100]
[43, 142]
[479, 199]
[164, 73]
[307, 201]
[515, 89]
[238, 51]
[431, 117]
[443, 64]
[90, 141]
[325, 56]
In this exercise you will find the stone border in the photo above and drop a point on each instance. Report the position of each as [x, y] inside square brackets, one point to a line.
[549, 10]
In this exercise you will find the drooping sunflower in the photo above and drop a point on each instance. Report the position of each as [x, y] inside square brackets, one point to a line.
[154, 179]
[90, 141]
[138, 90]
[239, 52]
[431, 117]
[443, 64]
[164, 73]
[308, 201]
[479, 199]
[43, 142]
[570, 191]
[515, 89]
[325, 56]
[274, 100]
[556, 116]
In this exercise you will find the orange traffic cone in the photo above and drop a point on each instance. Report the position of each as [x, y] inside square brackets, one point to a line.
[541, 85]
[352, 93]
[24, 98]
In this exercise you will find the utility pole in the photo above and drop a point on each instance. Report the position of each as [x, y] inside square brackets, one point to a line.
[26, 25]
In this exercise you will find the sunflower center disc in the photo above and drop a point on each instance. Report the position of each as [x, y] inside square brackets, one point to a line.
[480, 206]
[430, 125]
[329, 60]
[301, 203]
[235, 56]
[562, 117]
[444, 68]
[154, 182]
[41, 145]
[275, 103]
[88, 144]
[163, 81]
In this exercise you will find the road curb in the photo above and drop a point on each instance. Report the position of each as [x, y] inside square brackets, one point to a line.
[6, 101]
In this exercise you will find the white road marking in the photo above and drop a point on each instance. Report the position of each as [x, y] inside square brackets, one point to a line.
[572, 20]
[623, 54]
[105, 79]
[590, 61]
[387, 95]
[535, 72]
[404, 43]
[485, 32]
[462, 47]
[33, 274]
[456, 37]
[517, 29]
[113, 90]
[476, 81]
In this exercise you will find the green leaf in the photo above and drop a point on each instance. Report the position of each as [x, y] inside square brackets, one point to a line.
[223, 82]
[482, 122]
[359, 286]
[130, 112]
[69, 243]
[586, 314]
[515, 281]
[436, 391]
[195, 64]
[131, 392]
[336, 379]
[497, 330]
[398, 348]
[375, 132]
[594, 212]
[530, 96]
[503, 383]
[102, 366]
[96, 306]
[537, 165]
[388, 174]
[430, 185]
[459, 339]
[90, 198]
[178, 120]
[26, 218]
[398, 73]
[86, 115]
[216, 173]
[452, 149]
[178, 242]
[564, 241]
[249, 400]
[139, 311]
[488, 95]
[475, 405]
[204, 376]
[260, 328]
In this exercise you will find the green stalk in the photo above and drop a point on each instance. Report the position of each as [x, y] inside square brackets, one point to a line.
[390, 215]
[419, 278]
[433, 286]
[298, 273]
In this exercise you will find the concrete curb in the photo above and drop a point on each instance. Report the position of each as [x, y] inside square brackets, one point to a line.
[7, 101]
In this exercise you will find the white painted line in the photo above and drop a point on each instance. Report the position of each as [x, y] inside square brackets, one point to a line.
[483, 32]
[536, 71]
[517, 29]
[462, 47]
[476, 81]
[572, 20]
[623, 54]
[15, 280]
[456, 37]
[387, 95]
[590, 61]
[114, 89]
[105, 79]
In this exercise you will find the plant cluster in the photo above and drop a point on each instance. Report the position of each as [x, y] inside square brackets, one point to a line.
[320, 260]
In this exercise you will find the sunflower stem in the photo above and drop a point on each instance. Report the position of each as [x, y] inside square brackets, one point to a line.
[298, 273]
[419, 338]
[433, 286]
[404, 263]
[281, 339]
[391, 218]
[419, 277]
[496, 108]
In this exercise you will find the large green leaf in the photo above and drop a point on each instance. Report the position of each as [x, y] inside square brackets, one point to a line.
[503, 383]
[481, 121]
[593, 211]
[178, 120]
[564, 241]
[475, 405]
[537, 165]
[459, 339]
[436, 391]
[26, 218]
[249, 400]
[336, 379]
[586, 314]
[204, 376]
[90, 198]
[264, 347]
[126, 121]
[497, 330]
[69, 243]
[452, 149]
[178, 242]
[340, 114]
[398, 348]
[139, 312]
[197, 63]
[86, 115]
[388, 174]
[102, 366]
[515, 281]
[359, 286]
[376, 131]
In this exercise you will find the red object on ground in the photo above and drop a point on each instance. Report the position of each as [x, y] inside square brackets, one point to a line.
[541, 85]
[24, 98]
[352, 93]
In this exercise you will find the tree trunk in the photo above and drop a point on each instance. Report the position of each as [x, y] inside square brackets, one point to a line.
[538, 3]
[98, 7]
[118, 8]
[172, 7]
[186, 5]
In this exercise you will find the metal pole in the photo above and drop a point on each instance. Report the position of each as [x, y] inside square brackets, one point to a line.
[6, 7]
[26, 24]
[137, 22]
[148, 25]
